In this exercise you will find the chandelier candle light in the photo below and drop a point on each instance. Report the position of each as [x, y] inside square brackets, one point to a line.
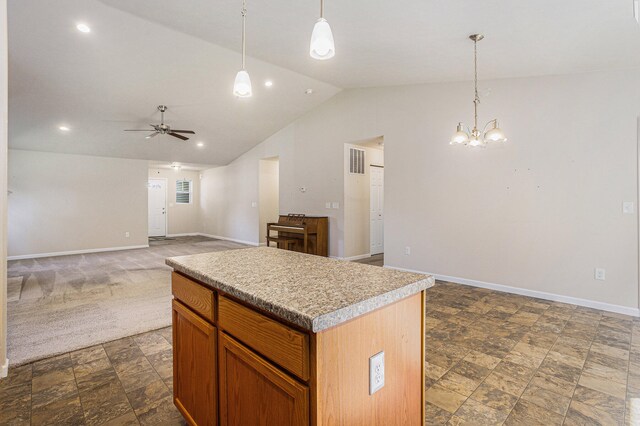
[242, 85]
[322, 46]
[474, 137]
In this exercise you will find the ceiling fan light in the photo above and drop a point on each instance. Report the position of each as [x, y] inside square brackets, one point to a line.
[322, 46]
[242, 85]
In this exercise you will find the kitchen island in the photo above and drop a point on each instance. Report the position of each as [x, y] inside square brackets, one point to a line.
[263, 336]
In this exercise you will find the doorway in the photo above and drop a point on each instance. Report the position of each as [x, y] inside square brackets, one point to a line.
[269, 194]
[157, 207]
[364, 199]
[376, 212]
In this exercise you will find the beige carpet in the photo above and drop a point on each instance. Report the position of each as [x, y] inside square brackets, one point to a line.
[60, 304]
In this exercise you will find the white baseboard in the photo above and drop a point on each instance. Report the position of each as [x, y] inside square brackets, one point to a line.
[186, 234]
[625, 310]
[358, 257]
[66, 253]
[4, 370]
[218, 237]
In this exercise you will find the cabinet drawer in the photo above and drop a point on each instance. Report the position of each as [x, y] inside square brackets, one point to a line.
[281, 344]
[197, 297]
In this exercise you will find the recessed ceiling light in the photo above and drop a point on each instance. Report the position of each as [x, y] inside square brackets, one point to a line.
[309, 91]
[83, 28]
[200, 144]
[268, 83]
[64, 128]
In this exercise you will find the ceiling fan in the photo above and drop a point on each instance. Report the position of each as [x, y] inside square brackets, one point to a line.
[163, 129]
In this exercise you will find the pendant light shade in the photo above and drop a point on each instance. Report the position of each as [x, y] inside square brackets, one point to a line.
[242, 85]
[322, 46]
[495, 134]
[460, 136]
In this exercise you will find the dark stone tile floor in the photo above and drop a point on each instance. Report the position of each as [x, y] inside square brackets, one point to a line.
[492, 358]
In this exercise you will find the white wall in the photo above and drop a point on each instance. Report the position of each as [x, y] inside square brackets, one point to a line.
[181, 218]
[539, 213]
[357, 205]
[269, 200]
[63, 202]
[3, 186]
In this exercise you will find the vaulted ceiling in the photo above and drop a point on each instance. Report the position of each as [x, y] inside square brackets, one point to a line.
[142, 53]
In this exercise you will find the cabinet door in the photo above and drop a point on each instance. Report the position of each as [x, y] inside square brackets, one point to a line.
[194, 367]
[255, 393]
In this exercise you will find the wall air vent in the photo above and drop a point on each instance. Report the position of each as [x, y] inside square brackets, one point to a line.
[356, 161]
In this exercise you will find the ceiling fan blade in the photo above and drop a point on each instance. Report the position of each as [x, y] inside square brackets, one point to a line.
[175, 135]
[152, 135]
[191, 132]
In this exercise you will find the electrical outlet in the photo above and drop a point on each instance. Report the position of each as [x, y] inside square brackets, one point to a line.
[627, 207]
[376, 373]
[407, 251]
[254, 204]
[600, 274]
[127, 235]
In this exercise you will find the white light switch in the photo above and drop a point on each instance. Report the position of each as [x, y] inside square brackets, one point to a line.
[627, 207]
[254, 204]
[335, 205]
[376, 373]
[327, 205]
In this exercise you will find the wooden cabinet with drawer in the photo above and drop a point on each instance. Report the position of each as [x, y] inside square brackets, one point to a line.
[235, 365]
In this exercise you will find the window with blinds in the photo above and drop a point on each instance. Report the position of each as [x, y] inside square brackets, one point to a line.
[183, 192]
[356, 161]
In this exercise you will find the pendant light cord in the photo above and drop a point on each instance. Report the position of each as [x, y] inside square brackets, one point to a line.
[321, 8]
[477, 98]
[244, 18]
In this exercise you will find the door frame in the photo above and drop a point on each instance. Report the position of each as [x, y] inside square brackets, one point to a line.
[376, 166]
[166, 207]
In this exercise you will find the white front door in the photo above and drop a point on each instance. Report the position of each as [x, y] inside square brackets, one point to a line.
[157, 207]
[376, 212]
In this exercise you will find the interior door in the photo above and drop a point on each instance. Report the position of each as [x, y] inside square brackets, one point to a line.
[157, 207]
[376, 213]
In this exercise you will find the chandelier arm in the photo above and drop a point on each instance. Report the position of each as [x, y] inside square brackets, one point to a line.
[321, 8]
[495, 120]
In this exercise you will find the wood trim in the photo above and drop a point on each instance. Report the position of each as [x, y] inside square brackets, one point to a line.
[283, 345]
[298, 392]
[196, 296]
[423, 341]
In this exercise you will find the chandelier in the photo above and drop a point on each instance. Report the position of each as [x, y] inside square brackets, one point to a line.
[475, 137]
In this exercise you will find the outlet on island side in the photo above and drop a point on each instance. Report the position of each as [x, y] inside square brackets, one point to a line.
[376, 372]
[407, 251]
[600, 274]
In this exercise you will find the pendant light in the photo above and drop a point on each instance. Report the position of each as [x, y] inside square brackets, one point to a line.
[242, 85]
[476, 138]
[322, 46]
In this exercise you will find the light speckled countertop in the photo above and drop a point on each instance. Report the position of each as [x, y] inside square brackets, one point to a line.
[311, 291]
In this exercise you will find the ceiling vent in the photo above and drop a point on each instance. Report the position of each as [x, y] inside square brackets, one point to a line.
[356, 161]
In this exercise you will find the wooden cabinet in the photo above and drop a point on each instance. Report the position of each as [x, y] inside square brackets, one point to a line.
[194, 367]
[254, 392]
[235, 365]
